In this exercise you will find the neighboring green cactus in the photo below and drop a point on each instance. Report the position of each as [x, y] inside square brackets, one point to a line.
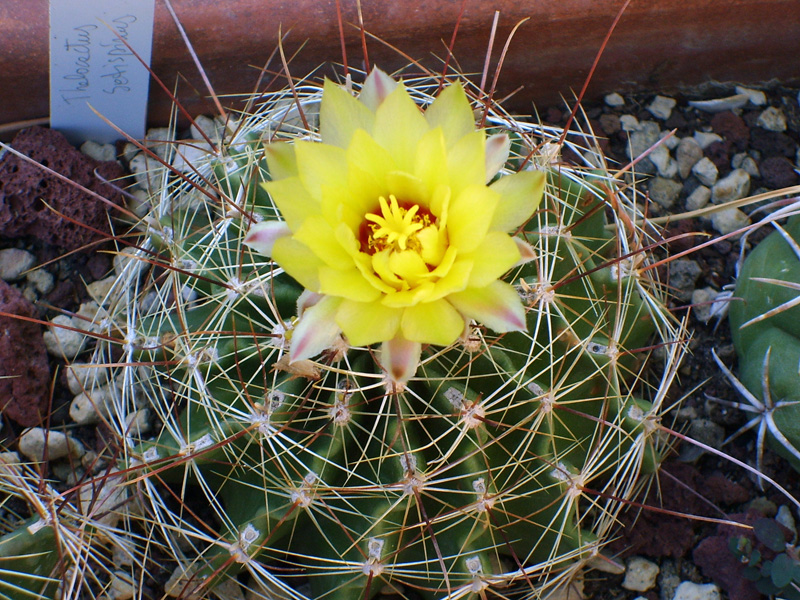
[499, 459]
[765, 323]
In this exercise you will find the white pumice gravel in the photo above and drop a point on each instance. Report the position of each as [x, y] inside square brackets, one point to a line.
[729, 220]
[661, 107]
[717, 105]
[705, 138]
[697, 591]
[36, 444]
[772, 119]
[640, 574]
[42, 281]
[700, 197]
[14, 262]
[734, 186]
[614, 100]
[101, 152]
[755, 97]
[706, 171]
[61, 341]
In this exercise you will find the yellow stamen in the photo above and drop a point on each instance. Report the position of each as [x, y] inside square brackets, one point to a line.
[395, 227]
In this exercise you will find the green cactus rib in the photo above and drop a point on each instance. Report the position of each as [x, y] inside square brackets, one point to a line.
[28, 558]
[766, 334]
[472, 477]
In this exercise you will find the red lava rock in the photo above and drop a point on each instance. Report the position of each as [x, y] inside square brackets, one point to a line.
[721, 490]
[26, 191]
[717, 562]
[771, 143]
[777, 172]
[732, 128]
[24, 370]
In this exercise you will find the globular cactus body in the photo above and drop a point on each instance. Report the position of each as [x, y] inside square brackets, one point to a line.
[503, 459]
[765, 323]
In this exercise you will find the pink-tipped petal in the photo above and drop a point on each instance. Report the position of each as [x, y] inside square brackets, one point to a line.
[377, 87]
[498, 306]
[498, 147]
[306, 300]
[316, 330]
[400, 359]
[527, 253]
[262, 236]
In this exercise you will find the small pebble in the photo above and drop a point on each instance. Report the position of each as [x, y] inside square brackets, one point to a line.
[661, 107]
[665, 164]
[121, 586]
[697, 591]
[82, 377]
[104, 496]
[14, 262]
[92, 406]
[640, 575]
[734, 186]
[729, 220]
[664, 191]
[144, 171]
[755, 97]
[35, 443]
[614, 100]
[628, 123]
[100, 289]
[62, 342]
[157, 138]
[671, 141]
[101, 152]
[704, 139]
[687, 154]
[772, 119]
[702, 299]
[643, 138]
[683, 273]
[720, 104]
[700, 197]
[42, 281]
[706, 171]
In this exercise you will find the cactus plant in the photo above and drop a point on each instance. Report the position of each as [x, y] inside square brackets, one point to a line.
[765, 326]
[493, 437]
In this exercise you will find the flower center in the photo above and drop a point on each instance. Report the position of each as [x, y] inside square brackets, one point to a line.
[395, 228]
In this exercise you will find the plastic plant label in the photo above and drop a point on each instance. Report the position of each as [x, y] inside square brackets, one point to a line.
[91, 67]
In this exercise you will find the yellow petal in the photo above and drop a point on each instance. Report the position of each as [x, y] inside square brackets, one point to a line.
[366, 156]
[340, 115]
[407, 187]
[421, 293]
[466, 162]
[496, 254]
[292, 199]
[452, 112]
[320, 164]
[497, 306]
[408, 265]
[432, 323]
[317, 234]
[455, 281]
[281, 160]
[433, 245]
[431, 161]
[399, 125]
[364, 264]
[346, 283]
[520, 195]
[380, 263]
[298, 261]
[338, 207]
[366, 323]
[316, 330]
[469, 217]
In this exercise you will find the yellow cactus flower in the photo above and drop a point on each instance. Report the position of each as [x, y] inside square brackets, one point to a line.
[391, 226]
